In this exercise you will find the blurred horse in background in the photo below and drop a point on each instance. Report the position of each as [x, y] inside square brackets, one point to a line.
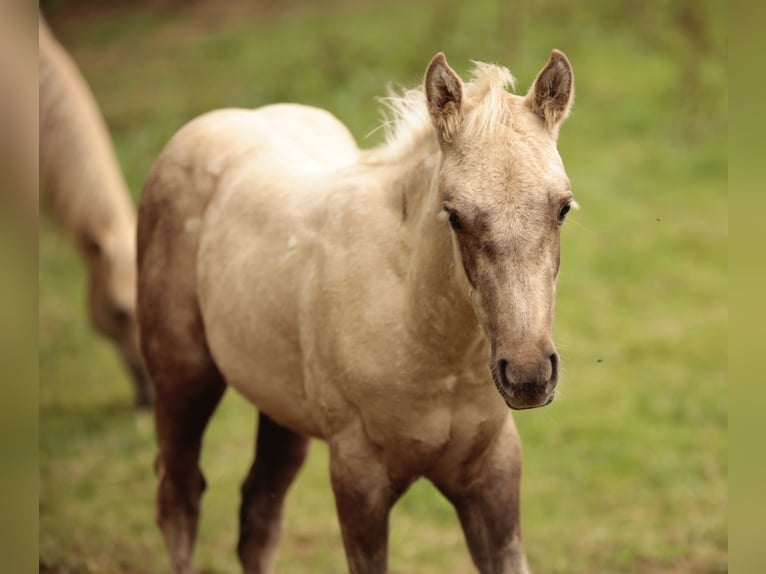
[357, 297]
[82, 182]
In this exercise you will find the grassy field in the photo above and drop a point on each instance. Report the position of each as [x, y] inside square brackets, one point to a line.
[627, 471]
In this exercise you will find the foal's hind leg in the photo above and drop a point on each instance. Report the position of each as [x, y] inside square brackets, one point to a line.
[181, 417]
[187, 383]
[187, 389]
[279, 456]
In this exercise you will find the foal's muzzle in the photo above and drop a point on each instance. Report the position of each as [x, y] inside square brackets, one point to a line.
[527, 383]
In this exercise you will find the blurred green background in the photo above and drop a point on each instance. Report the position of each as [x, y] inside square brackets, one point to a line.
[627, 471]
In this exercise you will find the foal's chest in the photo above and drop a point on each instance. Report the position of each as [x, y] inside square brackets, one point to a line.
[418, 424]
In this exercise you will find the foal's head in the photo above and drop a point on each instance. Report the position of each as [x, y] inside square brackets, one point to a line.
[506, 195]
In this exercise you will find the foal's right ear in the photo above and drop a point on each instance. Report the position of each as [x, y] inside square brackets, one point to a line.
[444, 93]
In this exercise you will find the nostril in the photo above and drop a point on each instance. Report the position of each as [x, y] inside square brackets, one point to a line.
[554, 358]
[502, 365]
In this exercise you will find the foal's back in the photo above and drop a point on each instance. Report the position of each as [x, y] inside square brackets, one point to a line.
[220, 158]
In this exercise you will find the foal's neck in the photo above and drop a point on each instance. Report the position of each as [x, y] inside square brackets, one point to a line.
[438, 295]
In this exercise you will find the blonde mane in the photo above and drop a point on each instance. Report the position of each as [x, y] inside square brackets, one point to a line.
[407, 124]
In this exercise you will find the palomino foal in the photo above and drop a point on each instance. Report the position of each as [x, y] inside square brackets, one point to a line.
[357, 297]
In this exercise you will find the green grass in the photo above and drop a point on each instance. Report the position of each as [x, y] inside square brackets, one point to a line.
[627, 471]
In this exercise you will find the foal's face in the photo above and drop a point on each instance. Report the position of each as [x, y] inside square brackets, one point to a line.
[505, 196]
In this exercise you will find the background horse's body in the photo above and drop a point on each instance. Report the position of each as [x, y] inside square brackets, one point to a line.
[82, 183]
[322, 284]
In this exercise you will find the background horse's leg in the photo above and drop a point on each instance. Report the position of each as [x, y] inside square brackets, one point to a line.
[181, 418]
[486, 497]
[279, 455]
[364, 495]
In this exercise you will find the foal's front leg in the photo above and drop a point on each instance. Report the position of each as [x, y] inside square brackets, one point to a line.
[485, 494]
[364, 495]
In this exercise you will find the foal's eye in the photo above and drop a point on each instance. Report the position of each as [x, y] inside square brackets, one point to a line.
[564, 210]
[454, 220]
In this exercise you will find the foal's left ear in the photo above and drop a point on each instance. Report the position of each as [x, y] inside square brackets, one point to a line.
[444, 93]
[553, 91]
